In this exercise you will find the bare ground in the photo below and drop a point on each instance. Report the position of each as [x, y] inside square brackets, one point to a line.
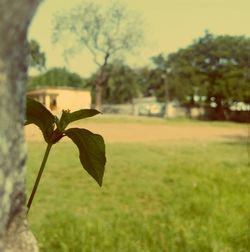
[137, 132]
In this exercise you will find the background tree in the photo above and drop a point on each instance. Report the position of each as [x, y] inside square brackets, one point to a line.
[56, 77]
[15, 18]
[223, 64]
[145, 82]
[37, 59]
[214, 69]
[157, 84]
[179, 77]
[104, 31]
[122, 84]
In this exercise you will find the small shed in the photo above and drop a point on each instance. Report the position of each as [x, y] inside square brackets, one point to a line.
[58, 98]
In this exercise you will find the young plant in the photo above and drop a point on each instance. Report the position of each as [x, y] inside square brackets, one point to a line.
[91, 146]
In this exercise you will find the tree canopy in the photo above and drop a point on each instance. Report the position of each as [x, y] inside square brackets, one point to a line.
[122, 85]
[106, 31]
[56, 77]
[212, 70]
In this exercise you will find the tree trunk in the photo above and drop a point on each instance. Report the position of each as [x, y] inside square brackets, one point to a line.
[15, 18]
[100, 84]
[98, 96]
[221, 111]
[101, 80]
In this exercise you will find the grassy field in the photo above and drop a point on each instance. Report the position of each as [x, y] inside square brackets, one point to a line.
[158, 120]
[167, 196]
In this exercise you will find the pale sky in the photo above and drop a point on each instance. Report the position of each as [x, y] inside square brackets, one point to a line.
[169, 25]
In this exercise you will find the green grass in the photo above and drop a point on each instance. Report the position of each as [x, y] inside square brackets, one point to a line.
[157, 120]
[155, 198]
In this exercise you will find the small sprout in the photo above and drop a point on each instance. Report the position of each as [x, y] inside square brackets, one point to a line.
[91, 146]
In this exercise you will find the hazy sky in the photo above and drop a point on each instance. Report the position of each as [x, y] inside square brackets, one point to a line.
[169, 25]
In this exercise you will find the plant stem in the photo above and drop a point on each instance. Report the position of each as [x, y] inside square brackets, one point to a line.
[45, 157]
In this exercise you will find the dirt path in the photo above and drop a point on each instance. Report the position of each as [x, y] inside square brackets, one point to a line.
[137, 132]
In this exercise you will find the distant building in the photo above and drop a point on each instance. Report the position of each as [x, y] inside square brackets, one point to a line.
[59, 98]
[148, 106]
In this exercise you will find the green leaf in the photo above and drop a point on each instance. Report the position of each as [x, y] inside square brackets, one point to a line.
[68, 117]
[36, 113]
[81, 114]
[91, 151]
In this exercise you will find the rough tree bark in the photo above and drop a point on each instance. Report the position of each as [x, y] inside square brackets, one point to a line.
[15, 17]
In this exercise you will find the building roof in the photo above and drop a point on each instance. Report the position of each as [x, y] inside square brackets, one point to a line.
[51, 90]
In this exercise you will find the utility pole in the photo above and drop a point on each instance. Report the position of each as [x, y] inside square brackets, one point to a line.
[165, 83]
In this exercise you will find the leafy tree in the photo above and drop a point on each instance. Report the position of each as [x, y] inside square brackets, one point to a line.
[224, 69]
[37, 59]
[214, 67]
[156, 81]
[56, 77]
[122, 84]
[178, 84]
[104, 31]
